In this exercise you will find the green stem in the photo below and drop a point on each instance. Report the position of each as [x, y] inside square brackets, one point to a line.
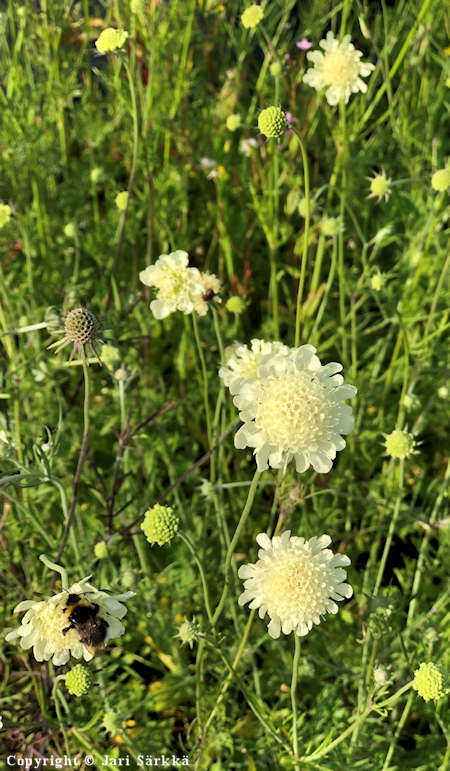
[391, 530]
[398, 731]
[204, 377]
[295, 665]
[191, 548]
[229, 555]
[305, 239]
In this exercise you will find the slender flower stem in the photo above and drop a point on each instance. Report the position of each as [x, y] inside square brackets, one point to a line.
[391, 530]
[398, 731]
[295, 665]
[204, 377]
[81, 459]
[191, 548]
[229, 555]
[305, 239]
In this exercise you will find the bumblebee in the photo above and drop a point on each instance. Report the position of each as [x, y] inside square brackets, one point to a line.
[83, 617]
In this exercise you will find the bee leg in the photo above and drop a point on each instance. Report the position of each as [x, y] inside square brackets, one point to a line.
[68, 628]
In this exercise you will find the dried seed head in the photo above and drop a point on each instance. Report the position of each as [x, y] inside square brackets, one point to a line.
[81, 326]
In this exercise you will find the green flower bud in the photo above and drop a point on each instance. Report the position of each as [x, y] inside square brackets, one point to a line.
[235, 304]
[377, 281]
[128, 578]
[302, 207]
[101, 550]
[79, 680]
[160, 524]
[69, 230]
[431, 681]
[399, 444]
[233, 122]
[330, 226]
[272, 122]
[441, 180]
[112, 722]
[121, 200]
[5, 214]
[188, 632]
[275, 69]
[252, 16]
[110, 39]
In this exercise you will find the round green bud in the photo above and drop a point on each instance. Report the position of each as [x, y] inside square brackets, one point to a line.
[431, 681]
[160, 524]
[121, 200]
[101, 550]
[252, 16]
[69, 230]
[79, 680]
[112, 722]
[411, 402]
[302, 207]
[399, 444]
[128, 578]
[110, 39]
[235, 304]
[275, 69]
[81, 326]
[330, 226]
[379, 186]
[5, 214]
[96, 175]
[233, 122]
[377, 281]
[272, 122]
[442, 392]
[188, 632]
[441, 180]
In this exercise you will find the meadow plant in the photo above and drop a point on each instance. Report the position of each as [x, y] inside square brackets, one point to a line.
[297, 154]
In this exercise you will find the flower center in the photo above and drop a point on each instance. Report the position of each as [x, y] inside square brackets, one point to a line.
[172, 283]
[339, 69]
[294, 587]
[291, 410]
[52, 621]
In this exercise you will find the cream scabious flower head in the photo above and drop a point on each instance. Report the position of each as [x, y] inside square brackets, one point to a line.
[380, 186]
[177, 284]
[295, 582]
[338, 69]
[208, 290]
[42, 627]
[243, 361]
[110, 40]
[294, 408]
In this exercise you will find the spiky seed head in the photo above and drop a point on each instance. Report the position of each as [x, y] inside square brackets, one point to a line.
[81, 326]
[272, 122]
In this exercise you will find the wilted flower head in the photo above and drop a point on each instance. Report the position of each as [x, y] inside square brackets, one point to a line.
[294, 409]
[177, 284]
[46, 628]
[272, 122]
[160, 524]
[5, 214]
[431, 681]
[243, 362]
[339, 69]
[252, 16]
[110, 40]
[82, 329]
[380, 186]
[295, 582]
[441, 180]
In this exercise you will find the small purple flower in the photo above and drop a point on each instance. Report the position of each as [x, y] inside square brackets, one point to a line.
[287, 57]
[304, 44]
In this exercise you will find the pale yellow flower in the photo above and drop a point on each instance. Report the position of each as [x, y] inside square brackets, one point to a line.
[338, 69]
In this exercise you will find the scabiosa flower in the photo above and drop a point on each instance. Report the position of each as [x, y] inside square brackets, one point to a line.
[295, 582]
[440, 180]
[339, 69]
[431, 681]
[242, 362]
[380, 186]
[110, 40]
[82, 329]
[272, 122]
[177, 284]
[252, 16]
[294, 408]
[43, 623]
[209, 289]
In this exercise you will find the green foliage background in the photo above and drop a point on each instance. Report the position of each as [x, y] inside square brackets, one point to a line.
[72, 137]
